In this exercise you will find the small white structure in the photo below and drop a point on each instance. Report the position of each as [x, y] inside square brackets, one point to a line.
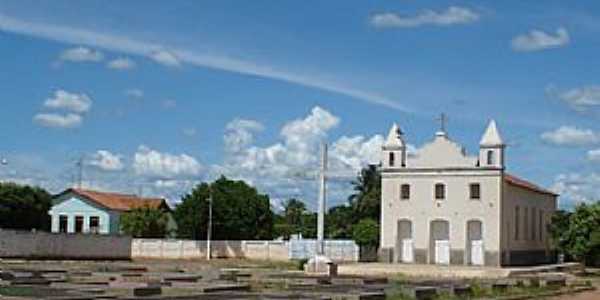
[442, 206]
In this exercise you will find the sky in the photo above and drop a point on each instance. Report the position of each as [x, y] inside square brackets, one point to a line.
[154, 97]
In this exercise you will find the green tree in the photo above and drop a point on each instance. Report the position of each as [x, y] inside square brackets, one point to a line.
[338, 223]
[366, 201]
[366, 233]
[24, 207]
[292, 219]
[239, 212]
[577, 234]
[145, 222]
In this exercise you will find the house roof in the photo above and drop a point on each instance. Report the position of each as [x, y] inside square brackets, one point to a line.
[522, 183]
[115, 201]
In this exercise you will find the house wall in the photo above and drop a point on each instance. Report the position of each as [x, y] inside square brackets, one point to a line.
[457, 209]
[73, 207]
[532, 245]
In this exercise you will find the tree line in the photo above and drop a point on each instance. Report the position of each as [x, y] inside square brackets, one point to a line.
[239, 212]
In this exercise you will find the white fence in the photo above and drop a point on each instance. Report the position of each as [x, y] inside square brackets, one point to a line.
[341, 251]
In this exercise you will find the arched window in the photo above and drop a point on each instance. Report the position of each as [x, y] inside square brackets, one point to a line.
[392, 159]
[490, 157]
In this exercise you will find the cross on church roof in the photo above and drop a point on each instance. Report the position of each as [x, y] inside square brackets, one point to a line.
[443, 122]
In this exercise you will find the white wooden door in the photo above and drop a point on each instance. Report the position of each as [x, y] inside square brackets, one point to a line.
[477, 253]
[442, 252]
[407, 250]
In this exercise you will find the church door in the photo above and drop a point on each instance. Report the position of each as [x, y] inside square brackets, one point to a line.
[439, 248]
[475, 243]
[442, 252]
[405, 242]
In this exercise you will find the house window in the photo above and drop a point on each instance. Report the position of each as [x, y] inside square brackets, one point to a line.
[78, 224]
[440, 191]
[405, 192]
[490, 157]
[63, 224]
[533, 227]
[475, 191]
[94, 224]
[517, 221]
[526, 223]
[392, 159]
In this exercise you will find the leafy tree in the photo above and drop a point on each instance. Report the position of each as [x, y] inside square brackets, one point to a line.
[366, 233]
[577, 234]
[145, 222]
[239, 212]
[24, 207]
[366, 201]
[338, 223]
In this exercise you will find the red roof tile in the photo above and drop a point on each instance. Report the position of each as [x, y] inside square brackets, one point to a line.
[516, 181]
[120, 202]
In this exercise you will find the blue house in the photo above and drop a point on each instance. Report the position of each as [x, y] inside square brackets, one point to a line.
[86, 211]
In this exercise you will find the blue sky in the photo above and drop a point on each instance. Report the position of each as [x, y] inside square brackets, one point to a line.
[158, 96]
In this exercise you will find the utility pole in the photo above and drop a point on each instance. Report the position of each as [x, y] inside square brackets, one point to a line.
[322, 201]
[209, 229]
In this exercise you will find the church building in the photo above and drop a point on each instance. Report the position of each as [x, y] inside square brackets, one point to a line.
[443, 206]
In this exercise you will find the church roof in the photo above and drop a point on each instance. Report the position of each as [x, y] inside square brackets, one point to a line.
[394, 138]
[522, 183]
[491, 137]
[119, 202]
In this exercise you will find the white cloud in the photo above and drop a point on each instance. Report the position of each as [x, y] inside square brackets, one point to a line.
[121, 63]
[62, 99]
[151, 163]
[81, 54]
[239, 133]
[107, 161]
[134, 93]
[54, 120]
[287, 168]
[208, 60]
[579, 99]
[571, 136]
[577, 187]
[166, 58]
[169, 103]
[451, 16]
[536, 40]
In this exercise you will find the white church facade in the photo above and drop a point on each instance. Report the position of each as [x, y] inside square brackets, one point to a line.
[442, 206]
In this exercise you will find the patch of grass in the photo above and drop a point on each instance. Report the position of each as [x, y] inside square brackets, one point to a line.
[26, 291]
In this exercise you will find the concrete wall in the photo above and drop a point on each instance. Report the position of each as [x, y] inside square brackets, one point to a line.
[259, 250]
[42, 245]
[188, 249]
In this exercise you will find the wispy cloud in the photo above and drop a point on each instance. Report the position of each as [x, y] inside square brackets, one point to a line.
[536, 40]
[55, 120]
[136, 47]
[81, 54]
[121, 63]
[452, 16]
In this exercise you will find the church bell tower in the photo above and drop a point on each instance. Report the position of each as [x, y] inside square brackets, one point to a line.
[394, 149]
[491, 148]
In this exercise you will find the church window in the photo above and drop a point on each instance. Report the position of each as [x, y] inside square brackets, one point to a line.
[440, 191]
[475, 191]
[78, 224]
[526, 223]
[405, 192]
[533, 220]
[392, 159]
[490, 157]
[517, 222]
[94, 224]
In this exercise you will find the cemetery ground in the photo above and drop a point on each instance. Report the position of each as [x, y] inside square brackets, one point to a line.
[245, 279]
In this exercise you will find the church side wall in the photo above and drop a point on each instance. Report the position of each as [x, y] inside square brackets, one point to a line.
[529, 243]
[422, 208]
